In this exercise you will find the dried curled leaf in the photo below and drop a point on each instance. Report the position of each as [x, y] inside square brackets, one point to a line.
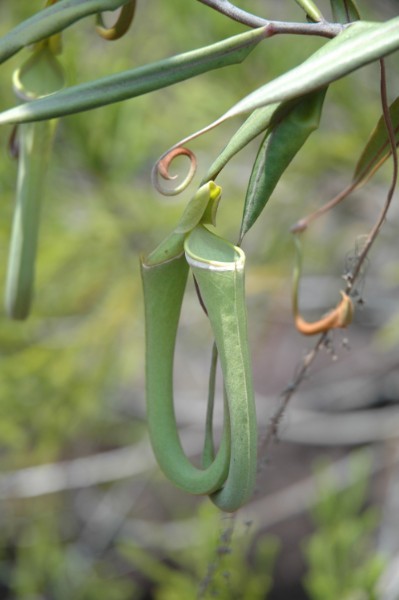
[339, 318]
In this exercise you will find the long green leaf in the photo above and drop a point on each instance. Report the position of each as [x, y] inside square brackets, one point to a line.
[255, 124]
[50, 20]
[359, 45]
[136, 82]
[378, 147]
[295, 121]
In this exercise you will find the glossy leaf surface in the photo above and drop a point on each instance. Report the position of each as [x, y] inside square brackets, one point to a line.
[360, 44]
[291, 126]
[136, 82]
[255, 124]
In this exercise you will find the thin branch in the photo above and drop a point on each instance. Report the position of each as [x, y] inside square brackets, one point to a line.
[376, 229]
[274, 423]
[321, 28]
[237, 14]
[303, 223]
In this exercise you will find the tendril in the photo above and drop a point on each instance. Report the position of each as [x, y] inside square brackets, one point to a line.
[339, 318]
[161, 170]
[122, 24]
[161, 167]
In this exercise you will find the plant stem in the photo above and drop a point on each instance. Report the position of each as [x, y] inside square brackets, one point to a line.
[321, 28]
[273, 427]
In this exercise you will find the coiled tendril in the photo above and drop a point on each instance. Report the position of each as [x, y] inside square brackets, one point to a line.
[161, 167]
[161, 170]
[122, 24]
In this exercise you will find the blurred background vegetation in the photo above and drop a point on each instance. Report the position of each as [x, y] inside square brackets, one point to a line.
[84, 512]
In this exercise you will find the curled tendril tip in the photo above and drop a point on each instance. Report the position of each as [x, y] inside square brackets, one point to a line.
[162, 166]
[122, 24]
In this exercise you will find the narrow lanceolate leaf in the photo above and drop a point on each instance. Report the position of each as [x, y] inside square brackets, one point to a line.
[51, 20]
[255, 124]
[344, 11]
[378, 147]
[291, 126]
[358, 45]
[136, 82]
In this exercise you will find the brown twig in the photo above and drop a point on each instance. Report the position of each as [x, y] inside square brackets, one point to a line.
[303, 223]
[274, 423]
[377, 227]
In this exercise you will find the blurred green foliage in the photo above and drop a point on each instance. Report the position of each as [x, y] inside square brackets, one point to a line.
[340, 557]
[230, 565]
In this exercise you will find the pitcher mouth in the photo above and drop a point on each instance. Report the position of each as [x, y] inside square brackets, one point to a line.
[237, 265]
[206, 250]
